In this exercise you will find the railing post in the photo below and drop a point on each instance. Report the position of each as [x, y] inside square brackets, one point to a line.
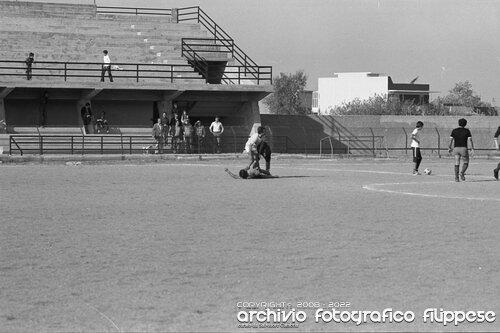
[83, 145]
[137, 72]
[406, 141]
[72, 145]
[102, 144]
[65, 70]
[121, 141]
[439, 142]
[41, 144]
[130, 145]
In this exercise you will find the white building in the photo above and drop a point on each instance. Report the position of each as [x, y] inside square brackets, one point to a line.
[346, 87]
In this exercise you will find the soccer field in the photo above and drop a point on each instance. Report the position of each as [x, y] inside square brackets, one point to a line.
[178, 246]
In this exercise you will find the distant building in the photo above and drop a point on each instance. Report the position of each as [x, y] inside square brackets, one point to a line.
[346, 87]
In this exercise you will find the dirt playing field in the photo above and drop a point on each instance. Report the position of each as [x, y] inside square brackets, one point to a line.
[178, 246]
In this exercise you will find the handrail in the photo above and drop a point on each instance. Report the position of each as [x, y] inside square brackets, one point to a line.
[133, 10]
[193, 48]
[129, 71]
[111, 143]
[12, 140]
[186, 14]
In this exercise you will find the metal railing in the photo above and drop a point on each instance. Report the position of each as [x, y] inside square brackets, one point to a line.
[350, 144]
[195, 50]
[128, 71]
[195, 13]
[133, 11]
[132, 144]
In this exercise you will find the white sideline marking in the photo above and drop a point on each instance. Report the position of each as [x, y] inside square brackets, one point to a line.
[372, 187]
[104, 316]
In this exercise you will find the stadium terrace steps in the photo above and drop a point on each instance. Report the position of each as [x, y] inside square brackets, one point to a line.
[64, 32]
[33, 130]
[42, 9]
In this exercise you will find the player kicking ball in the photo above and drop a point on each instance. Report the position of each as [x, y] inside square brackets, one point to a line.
[415, 147]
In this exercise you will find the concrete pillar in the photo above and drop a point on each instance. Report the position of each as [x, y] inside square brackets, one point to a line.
[175, 15]
[2, 110]
[251, 112]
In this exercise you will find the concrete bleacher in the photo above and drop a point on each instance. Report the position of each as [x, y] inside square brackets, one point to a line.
[74, 36]
[76, 33]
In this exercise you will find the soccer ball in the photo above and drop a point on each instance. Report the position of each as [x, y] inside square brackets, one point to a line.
[427, 171]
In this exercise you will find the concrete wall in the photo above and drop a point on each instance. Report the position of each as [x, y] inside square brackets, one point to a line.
[392, 132]
[25, 112]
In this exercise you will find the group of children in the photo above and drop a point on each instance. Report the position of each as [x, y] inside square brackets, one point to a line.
[458, 147]
[180, 130]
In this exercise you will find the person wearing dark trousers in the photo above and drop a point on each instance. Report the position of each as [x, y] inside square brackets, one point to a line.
[86, 113]
[200, 135]
[497, 169]
[165, 124]
[42, 110]
[415, 147]
[106, 66]
[459, 148]
[265, 151]
[29, 63]
[102, 123]
[216, 128]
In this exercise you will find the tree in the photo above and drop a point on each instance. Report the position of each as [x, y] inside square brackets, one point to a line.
[463, 95]
[286, 97]
[379, 105]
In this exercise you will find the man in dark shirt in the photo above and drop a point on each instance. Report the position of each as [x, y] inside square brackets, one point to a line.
[86, 113]
[497, 169]
[29, 63]
[265, 151]
[458, 139]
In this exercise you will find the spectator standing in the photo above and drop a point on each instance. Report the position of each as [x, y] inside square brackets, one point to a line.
[177, 134]
[188, 136]
[175, 110]
[102, 123]
[157, 136]
[184, 116]
[86, 113]
[42, 109]
[164, 127]
[200, 135]
[106, 66]
[29, 63]
[216, 128]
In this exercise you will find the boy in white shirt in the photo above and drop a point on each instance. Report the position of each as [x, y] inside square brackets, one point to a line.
[415, 147]
[251, 146]
[106, 66]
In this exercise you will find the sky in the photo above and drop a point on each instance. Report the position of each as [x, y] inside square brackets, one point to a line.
[440, 41]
